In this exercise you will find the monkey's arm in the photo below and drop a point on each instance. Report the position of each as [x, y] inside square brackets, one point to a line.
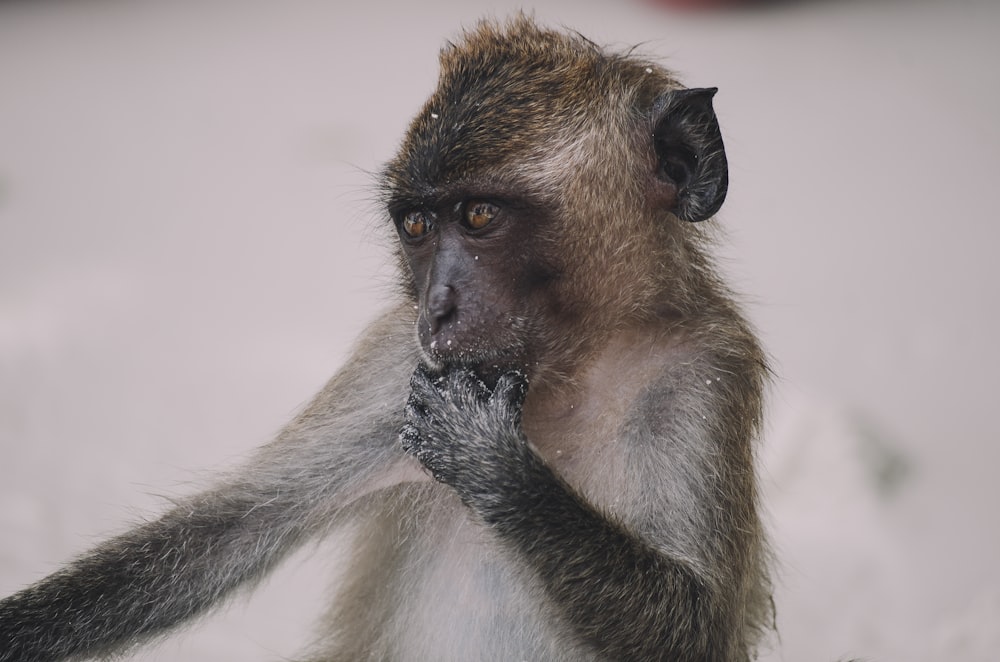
[164, 572]
[619, 591]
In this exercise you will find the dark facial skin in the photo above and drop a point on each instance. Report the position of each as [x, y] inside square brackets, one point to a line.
[477, 298]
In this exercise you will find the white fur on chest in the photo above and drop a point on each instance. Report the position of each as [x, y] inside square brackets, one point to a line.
[459, 597]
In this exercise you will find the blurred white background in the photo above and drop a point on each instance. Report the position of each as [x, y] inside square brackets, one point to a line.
[188, 245]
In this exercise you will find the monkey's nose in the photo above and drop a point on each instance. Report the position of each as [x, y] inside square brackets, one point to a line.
[440, 306]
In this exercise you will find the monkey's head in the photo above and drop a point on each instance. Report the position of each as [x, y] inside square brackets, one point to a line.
[543, 196]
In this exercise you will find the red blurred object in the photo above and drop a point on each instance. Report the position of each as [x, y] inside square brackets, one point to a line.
[699, 4]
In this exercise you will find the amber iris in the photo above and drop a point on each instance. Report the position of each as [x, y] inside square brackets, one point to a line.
[416, 224]
[479, 214]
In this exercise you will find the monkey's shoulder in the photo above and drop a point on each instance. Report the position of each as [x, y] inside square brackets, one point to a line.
[589, 413]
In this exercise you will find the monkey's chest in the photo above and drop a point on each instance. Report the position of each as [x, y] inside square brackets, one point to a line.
[458, 595]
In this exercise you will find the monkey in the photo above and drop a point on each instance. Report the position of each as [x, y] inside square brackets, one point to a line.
[544, 448]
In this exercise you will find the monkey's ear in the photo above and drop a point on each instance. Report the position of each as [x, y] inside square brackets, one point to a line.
[691, 159]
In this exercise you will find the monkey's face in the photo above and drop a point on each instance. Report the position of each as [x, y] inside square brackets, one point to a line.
[479, 278]
[532, 196]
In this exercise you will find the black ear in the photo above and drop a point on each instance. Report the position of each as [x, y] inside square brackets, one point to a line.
[689, 151]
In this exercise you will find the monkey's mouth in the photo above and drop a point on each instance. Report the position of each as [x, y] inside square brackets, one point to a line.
[451, 352]
[487, 347]
[489, 369]
[486, 360]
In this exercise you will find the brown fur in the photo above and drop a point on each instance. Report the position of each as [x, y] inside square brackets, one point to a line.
[637, 331]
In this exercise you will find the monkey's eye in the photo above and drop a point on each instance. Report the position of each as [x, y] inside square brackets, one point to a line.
[479, 214]
[416, 224]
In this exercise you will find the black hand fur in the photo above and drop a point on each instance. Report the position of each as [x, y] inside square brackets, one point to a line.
[613, 589]
[467, 434]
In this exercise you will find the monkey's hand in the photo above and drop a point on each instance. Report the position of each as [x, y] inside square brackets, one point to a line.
[465, 433]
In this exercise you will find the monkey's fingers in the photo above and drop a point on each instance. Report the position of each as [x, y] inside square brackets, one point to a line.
[422, 373]
[410, 438]
[416, 407]
[425, 389]
[423, 448]
[511, 389]
[465, 385]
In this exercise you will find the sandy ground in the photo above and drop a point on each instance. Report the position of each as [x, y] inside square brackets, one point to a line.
[188, 245]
